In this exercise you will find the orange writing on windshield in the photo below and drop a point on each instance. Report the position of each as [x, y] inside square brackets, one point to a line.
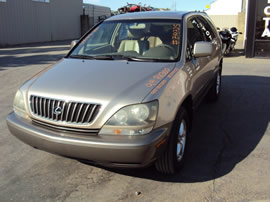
[176, 34]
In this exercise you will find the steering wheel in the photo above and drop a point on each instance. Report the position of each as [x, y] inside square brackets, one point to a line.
[168, 47]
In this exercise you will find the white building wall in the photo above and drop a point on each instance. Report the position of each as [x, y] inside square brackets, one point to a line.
[225, 7]
[225, 22]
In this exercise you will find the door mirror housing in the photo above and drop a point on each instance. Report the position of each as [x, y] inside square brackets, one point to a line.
[73, 43]
[202, 49]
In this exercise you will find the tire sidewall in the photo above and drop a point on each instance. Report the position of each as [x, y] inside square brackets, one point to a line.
[212, 95]
[220, 84]
[182, 114]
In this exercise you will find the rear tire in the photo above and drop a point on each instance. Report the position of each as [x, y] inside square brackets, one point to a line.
[173, 158]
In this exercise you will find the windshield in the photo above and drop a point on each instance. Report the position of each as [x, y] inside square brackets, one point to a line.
[144, 40]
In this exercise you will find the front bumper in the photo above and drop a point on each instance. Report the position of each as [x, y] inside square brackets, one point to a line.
[112, 151]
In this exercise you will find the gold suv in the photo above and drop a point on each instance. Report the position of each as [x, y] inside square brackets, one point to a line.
[125, 93]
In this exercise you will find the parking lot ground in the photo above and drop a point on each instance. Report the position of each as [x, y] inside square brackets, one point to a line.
[227, 159]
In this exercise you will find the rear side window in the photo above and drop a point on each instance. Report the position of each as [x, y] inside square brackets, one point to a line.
[194, 33]
[206, 29]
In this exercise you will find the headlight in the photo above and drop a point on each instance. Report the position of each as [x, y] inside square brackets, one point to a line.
[132, 120]
[19, 105]
[140, 112]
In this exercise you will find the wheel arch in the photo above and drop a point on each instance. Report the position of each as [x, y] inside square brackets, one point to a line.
[221, 64]
[188, 105]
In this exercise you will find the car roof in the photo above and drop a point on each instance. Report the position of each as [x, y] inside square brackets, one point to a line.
[150, 15]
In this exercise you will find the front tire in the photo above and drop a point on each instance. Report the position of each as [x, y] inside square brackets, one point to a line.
[215, 90]
[173, 158]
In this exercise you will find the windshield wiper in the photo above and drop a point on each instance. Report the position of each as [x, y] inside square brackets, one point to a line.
[127, 57]
[103, 57]
[141, 59]
[82, 56]
[130, 58]
[119, 56]
[91, 57]
[114, 57]
[157, 60]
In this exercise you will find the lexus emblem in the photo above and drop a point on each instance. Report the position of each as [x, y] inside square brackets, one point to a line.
[57, 110]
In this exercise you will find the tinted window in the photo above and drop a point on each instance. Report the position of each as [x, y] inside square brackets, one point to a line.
[206, 29]
[194, 33]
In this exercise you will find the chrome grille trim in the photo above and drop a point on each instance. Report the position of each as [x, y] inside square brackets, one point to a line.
[62, 115]
[66, 129]
[73, 112]
[77, 113]
[91, 112]
[40, 106]
[85, 111]
[69, 104]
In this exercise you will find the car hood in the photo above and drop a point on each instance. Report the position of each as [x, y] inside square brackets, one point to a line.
[113, 84]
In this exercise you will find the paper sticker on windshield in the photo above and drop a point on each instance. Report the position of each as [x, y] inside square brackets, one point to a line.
[176, 34]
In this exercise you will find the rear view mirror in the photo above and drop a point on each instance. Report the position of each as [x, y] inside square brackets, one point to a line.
[202, 49]
[137, 26]
[73, 43]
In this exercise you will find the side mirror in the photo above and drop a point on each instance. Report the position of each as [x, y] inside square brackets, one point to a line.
[73, 43]
[202, 49]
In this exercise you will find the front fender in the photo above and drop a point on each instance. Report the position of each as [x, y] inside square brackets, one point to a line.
[171, 92]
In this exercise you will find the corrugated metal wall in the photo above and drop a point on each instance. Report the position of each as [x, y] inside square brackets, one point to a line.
[27, 21]
[95, 11]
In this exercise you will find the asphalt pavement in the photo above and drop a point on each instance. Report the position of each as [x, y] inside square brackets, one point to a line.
[228, 157]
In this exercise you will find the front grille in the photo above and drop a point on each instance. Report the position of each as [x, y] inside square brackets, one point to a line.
[59, 110]
[86, 131]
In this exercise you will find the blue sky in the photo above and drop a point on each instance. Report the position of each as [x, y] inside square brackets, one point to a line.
[180, 4]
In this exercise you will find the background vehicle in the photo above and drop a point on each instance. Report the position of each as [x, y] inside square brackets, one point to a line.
[227, 41]
[229, 38]
[124, 95]
[129, 8]
[234, 36]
